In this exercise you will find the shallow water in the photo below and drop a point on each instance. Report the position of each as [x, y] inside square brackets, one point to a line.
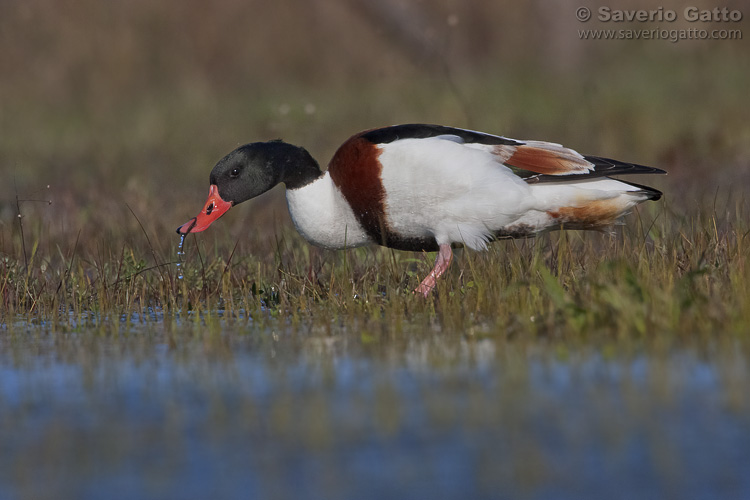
[188, 411]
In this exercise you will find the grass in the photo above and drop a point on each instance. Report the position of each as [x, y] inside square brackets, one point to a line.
[676, 267]
[683, 276]
[123, 161]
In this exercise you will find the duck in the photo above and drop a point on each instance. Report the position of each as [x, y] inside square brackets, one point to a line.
[428, 188]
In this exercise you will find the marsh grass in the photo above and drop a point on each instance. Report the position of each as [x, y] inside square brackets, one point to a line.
[683, 276]
[126, 159]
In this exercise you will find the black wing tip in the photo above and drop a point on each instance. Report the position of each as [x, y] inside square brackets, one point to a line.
[608, 166]
[603, 167]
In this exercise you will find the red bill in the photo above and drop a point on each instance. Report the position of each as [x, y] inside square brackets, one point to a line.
[214, 208]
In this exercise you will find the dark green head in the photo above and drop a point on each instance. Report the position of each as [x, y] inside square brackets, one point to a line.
[250, 171]
[253, 169]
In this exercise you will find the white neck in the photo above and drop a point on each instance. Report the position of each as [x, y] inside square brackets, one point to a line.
[322, 215]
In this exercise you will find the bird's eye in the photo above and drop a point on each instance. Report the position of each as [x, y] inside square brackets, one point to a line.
[235, 172]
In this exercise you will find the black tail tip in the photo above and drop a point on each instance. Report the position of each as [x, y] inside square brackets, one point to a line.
[654, 195]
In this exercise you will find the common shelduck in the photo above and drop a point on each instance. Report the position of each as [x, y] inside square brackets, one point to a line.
[428, 188]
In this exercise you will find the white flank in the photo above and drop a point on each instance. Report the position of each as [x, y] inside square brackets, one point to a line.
[454, 193]
[461, 193]
[321, 214]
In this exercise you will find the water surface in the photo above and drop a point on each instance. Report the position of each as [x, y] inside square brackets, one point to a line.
[189, 411]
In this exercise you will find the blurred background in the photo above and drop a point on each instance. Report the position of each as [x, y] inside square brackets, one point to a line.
[581, 368]
[108, 107]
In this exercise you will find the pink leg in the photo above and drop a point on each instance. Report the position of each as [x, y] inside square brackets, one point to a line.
[443, 261]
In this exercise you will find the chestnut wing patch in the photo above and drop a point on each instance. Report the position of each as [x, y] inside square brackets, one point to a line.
[537, 161]
[533, 158]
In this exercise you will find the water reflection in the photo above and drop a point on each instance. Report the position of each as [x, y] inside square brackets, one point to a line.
[197, 412]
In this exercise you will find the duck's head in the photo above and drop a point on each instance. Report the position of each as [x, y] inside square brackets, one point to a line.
[250, 171]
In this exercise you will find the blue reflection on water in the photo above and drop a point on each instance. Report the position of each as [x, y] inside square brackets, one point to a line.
[138, 417]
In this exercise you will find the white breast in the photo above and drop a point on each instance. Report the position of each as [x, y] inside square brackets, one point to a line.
[321, 214]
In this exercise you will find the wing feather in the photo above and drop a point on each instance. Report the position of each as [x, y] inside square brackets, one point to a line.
[533, 161]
